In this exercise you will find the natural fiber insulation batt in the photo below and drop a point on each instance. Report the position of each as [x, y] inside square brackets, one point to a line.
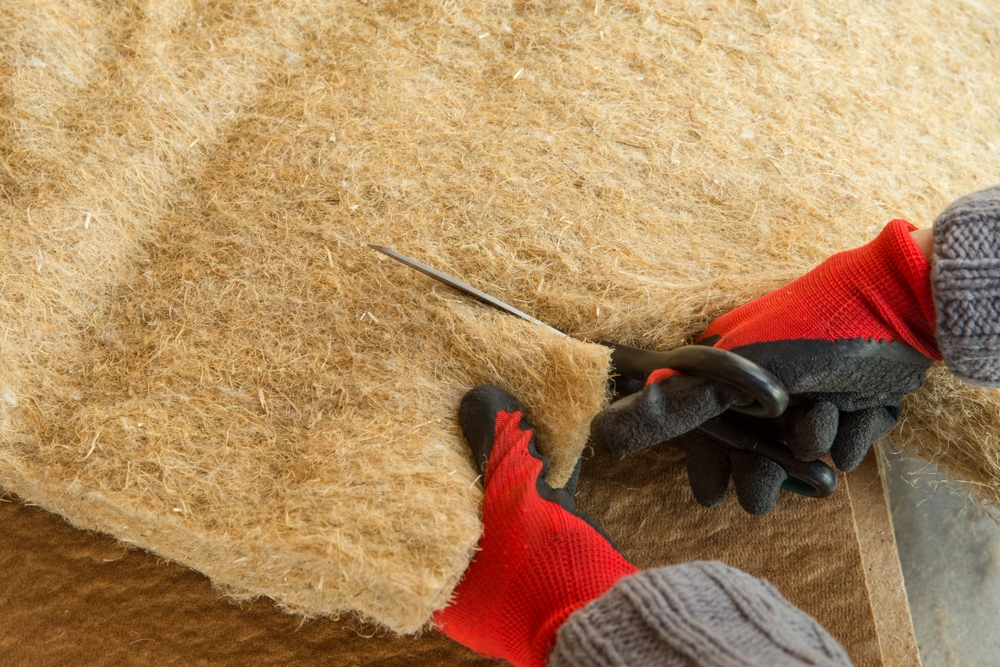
[200, 355]
[205, 359]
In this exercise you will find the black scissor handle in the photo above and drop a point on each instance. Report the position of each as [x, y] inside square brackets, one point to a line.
[770, 395]
[808, 478]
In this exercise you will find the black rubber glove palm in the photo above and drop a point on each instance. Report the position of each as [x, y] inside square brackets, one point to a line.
[847, 340]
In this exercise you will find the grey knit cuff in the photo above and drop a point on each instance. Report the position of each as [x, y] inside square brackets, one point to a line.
[965, 277]
[702, 613]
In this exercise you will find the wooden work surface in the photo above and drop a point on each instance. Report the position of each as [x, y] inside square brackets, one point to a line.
[891, 611]
[70, 597]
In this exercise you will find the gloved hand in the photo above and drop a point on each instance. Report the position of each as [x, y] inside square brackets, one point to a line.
[538, 560]
[848, 340]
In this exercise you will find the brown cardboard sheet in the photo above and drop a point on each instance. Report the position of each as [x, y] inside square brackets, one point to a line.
[71, 597]
[807, 548]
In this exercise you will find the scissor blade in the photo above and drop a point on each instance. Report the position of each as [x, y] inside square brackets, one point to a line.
[460, 286]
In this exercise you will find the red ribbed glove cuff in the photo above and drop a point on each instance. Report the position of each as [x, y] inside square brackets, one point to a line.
[879, 292]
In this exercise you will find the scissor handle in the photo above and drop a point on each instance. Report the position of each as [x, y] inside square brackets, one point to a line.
[808, 478]
[770, 395]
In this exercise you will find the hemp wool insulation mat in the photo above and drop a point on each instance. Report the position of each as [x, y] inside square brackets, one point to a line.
[200, 356]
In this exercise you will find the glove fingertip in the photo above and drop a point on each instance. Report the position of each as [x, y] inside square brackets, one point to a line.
[708, 468]
[477, 415]
[709, 496]
[858, 431]
[631, 423]
[660, 412]
[812, 430]
[758, 482]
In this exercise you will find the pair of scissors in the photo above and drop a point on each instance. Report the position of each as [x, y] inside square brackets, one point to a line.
[808, 478]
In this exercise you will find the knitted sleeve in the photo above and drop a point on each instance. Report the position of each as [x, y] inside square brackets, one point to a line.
[965, 277]
[701, 613]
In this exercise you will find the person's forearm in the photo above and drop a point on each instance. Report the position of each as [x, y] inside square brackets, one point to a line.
[924, 238]
[965, 276]
[702, 613]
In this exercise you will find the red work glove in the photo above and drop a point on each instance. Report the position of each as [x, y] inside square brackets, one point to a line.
[539, 560]
[848, 340]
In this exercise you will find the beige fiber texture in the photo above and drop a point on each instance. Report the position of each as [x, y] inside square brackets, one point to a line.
[200, 355]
